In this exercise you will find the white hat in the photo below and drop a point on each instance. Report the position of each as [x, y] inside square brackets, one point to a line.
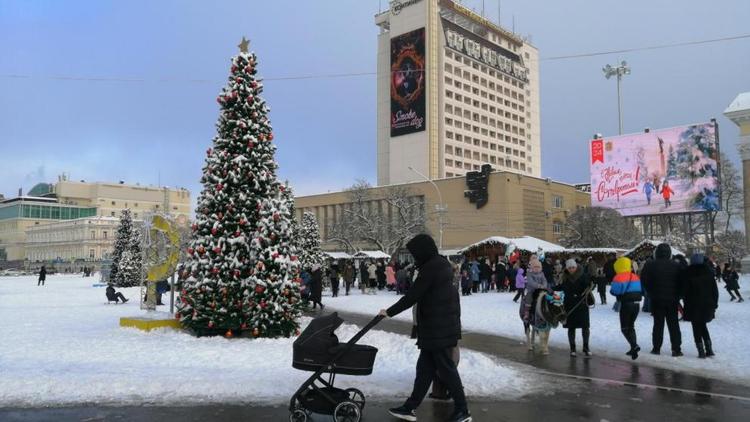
[571, 263]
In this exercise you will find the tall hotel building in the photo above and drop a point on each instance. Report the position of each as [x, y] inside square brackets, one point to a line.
[455, 91]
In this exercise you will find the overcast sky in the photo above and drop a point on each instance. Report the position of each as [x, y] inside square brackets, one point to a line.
[174, 56]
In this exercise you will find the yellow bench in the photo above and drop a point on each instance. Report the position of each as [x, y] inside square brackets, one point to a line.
[147, 324]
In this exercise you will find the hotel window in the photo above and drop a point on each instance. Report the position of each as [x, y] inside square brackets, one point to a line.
[449, 135]
[449, 94]
[448, 121]
[104, 233]
[557, 227]
[448, 174]
[113, 213]
[449, 163]
[93, 235]
[476, 167]
[557, 201]
[91, 254]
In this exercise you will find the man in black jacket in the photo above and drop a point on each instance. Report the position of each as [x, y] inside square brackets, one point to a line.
[660, 280]
[438, 319]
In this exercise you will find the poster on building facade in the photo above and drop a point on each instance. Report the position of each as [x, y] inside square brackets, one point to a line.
[672, 170]
[408, 83]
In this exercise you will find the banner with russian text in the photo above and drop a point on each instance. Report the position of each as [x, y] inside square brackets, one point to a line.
[672, 170]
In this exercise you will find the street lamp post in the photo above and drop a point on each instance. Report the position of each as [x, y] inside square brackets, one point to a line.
[619, 71]
[440, 208]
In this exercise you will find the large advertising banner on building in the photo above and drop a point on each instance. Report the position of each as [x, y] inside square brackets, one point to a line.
[408, 83]
[672, 170]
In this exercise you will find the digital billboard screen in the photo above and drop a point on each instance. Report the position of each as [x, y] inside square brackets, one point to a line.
[408, 83]
[673, 170]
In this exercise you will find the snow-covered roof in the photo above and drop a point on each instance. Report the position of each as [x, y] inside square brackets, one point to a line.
[372, 255]
[338, 255]
[594, 250]
[450, 252]
[525, 243]
[652, 243]
[741, 103]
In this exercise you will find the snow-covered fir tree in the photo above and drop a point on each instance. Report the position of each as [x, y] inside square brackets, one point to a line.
[241, 265]
[309, 242]
[127, 261]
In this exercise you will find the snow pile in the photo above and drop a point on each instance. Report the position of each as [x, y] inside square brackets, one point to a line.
[497, 314]
[62, 345]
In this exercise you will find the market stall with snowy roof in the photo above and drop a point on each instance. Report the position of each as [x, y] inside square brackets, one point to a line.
[599, 254]
[495, 246]
[645, 250]
[371, 255]
[338, 255]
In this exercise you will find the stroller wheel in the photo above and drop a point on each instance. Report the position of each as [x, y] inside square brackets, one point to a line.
[298, 416]
[357, 397]
[347, 411]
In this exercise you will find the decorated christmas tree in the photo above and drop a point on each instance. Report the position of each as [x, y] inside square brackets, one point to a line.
[127, 261]
[240, 271]
[309, 242]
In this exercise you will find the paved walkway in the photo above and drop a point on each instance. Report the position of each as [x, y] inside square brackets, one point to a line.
[598, 369]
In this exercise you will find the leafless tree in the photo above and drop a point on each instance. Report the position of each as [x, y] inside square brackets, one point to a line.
[732, 198]
[384, 220]
[730, 245]
[598, 227]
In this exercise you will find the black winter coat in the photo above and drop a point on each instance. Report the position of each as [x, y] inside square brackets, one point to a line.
[609, 270]
[731, 280]
[438, 305]
[574, 285]
[500, 273]
[485, 272]
[700, 292]
[43, 274]
[660, 277]
[316, 286]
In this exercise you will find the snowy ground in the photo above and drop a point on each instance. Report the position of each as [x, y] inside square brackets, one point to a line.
[61, 344]
[495, 313]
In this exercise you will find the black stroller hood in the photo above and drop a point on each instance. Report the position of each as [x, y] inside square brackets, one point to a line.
[320, 332]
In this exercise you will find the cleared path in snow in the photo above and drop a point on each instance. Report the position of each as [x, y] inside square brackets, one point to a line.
[599, 369]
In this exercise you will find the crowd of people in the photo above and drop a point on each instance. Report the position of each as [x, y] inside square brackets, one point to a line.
[669, 288]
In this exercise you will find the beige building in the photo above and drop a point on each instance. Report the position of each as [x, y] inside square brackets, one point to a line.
[87, 239]
[454, 91]
[517, 205]
[739, 113]
[67, 200]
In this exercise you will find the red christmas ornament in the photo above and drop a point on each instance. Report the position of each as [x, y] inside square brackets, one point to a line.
[243, 326]
[242, 222]
[214, 231]
[282, 188]
[249, 69]
[190, 251]
[208, 151]
[270, 136]
[237, 233]
[237, 273]
[219, 99]
[234, 68]
[276, 217]
[250, 145]
[263, 304]
[259, 289]
[249, 99]
[228, 334]
[256, 332]
[254, 84]
[219, 187]
[275, 255]
[238, 80]
[195, 227]
[214, 270]
[293, 257]
[210, 324]
[296, 332]
[217, 250]
[201, 250]
[262, 137]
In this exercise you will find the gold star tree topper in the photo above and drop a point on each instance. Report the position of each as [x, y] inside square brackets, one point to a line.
[243, 45]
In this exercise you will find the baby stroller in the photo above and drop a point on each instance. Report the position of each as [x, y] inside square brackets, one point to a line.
[318, 350]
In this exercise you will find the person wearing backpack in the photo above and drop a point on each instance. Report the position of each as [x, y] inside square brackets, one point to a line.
[626, 287]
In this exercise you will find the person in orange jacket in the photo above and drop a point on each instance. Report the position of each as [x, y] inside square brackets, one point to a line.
[666, 193]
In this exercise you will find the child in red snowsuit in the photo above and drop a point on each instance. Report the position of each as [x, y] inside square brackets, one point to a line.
[666, 193]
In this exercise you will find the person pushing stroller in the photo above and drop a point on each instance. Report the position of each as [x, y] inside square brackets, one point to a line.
[438, 320]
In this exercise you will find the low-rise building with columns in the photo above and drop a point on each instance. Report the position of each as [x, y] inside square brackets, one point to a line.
[739, 113]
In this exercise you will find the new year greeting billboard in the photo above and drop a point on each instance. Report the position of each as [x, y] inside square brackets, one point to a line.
[672, 170]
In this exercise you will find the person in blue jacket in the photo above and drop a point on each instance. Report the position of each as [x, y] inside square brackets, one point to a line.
[648, 188]
[626, 287]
